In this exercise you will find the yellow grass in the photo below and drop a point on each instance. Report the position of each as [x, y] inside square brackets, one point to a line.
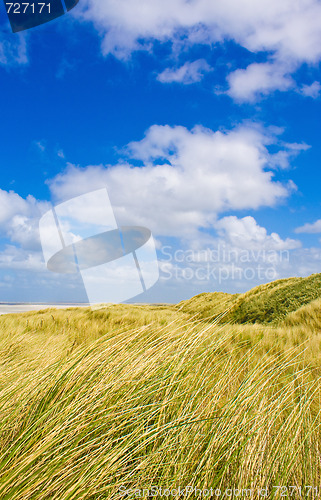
[139, 397]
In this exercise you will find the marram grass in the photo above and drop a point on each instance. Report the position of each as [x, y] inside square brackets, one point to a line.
[92, 401]
[265, 304]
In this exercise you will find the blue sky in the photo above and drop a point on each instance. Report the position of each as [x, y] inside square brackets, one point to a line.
[202, 119]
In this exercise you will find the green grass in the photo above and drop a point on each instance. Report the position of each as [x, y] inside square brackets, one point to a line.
[142, 396]
[265, 304]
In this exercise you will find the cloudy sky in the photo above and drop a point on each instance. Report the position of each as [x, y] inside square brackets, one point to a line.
[200, 117]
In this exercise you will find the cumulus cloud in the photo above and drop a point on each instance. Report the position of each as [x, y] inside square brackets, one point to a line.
[23, 273]
[186, 177]
[185, 182]
[19, 259]
[287, 29]
[314, 228]
[258, 80]
[11, 204]
[288, 32]
[18, 218]
[190, 72]
[248, 234]
[241, 256]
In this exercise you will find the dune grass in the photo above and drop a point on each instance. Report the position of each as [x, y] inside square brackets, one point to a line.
[134, 397]
[266, 304]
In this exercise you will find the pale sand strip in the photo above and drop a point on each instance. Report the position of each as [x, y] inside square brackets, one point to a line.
[20, 308]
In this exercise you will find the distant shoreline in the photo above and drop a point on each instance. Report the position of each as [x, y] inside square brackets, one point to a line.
[20, 307]
[44, 304]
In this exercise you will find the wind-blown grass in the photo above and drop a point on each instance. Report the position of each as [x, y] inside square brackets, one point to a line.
[265, 304]
[138, 397]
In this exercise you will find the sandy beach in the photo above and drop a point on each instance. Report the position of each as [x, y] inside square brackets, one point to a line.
[20, 308]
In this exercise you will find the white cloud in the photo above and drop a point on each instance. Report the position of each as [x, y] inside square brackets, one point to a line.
[23, 273]
[258, 80]
[18, 218]
[289, 32]
[241, 256]
[314, 228]
[186, 182]
[11, 204]
[186, 179]
[190, 72]
[246, 233]
[15, 258]
[312, 90]
[287, 29]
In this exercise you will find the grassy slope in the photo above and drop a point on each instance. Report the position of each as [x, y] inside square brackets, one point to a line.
[142, 396]
[265, 304]
[208, 305]
[307, 316]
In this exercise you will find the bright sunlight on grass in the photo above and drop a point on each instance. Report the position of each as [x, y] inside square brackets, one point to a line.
[141, 396]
